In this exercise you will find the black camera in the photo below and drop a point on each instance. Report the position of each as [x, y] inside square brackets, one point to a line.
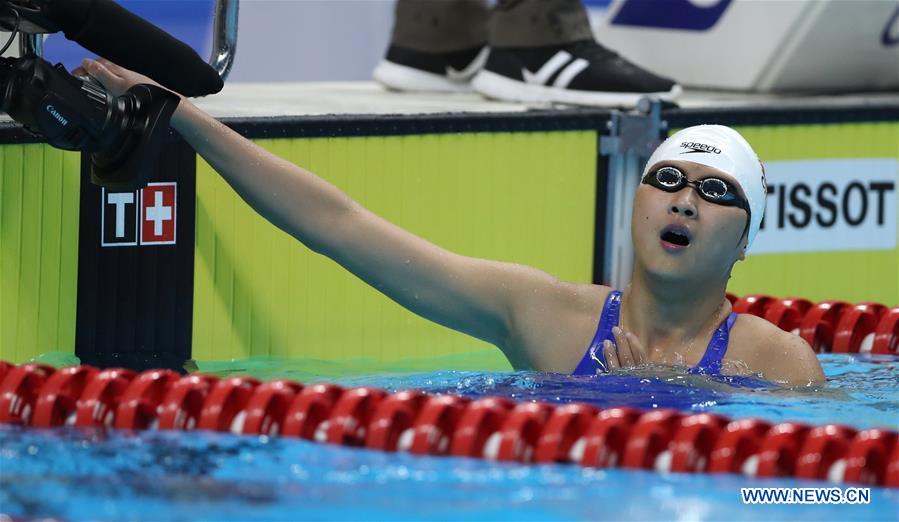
[123, 134]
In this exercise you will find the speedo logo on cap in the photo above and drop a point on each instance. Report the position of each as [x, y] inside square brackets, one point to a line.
[695, 146]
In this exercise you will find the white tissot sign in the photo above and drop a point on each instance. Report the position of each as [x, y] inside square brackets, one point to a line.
[140, 217]
[830, 205]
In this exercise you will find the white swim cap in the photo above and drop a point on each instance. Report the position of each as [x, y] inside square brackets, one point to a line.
[724, 149]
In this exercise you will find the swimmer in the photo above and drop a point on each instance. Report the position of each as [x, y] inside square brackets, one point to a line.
[696, 212]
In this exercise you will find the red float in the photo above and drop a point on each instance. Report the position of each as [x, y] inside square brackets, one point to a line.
[492, 427]
[820, 323]
[223, 409]
[307, 416]
[5, 367]
[520, 431]
[606, 438]
[390, 428]
[823, 447]
[787, 314]
[100, 399]
[268, 406]
[436, 422]
[348, 423]
[564, 428]
[482, 419]
[183, 403]
[779, 450]
[867, 456]
[19, 392]
[855, 325]
[650, 438]
[737, 445]
[139, 406]
[756, 304]
[692, 445]
[886, 336]
[892, 473]
[58, 397]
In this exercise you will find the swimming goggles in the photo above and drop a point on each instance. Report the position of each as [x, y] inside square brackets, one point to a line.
[713, 190]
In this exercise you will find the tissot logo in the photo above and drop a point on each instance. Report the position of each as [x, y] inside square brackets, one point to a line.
[118, 219]
[699, 147]
[141, 217]
[829, 205]
[157, 204]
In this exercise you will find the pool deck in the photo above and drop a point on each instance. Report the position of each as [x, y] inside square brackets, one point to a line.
[259, 100]
[345, 98]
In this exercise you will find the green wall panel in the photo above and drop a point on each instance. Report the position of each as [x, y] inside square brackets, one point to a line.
[521, 197]
[39, 204]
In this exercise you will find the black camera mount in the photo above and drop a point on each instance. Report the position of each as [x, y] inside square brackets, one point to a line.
[123, 134]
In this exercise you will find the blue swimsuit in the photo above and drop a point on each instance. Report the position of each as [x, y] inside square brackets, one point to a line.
[594, 361]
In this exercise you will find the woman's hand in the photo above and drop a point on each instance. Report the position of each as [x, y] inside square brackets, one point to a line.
[630, 350]
[115, 78]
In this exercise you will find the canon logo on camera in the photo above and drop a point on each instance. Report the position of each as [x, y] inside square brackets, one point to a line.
[57, 116]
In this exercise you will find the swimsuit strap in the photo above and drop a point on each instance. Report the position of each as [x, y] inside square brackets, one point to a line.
[714, 353]
[594, 360]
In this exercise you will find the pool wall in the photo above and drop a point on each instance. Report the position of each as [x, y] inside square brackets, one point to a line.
[39, 205]
[527, 197]
[240, 288]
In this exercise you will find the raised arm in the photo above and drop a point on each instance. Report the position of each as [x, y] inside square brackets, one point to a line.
[474, 296]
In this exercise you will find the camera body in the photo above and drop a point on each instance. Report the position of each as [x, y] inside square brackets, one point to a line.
[123, 134]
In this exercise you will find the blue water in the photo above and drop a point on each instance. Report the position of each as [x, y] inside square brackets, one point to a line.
[74, 475]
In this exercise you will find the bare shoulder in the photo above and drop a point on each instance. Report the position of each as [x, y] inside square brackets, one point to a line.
[778, 355]
[552, 324]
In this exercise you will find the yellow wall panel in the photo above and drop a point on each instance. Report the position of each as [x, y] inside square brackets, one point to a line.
[522, 197]
[848, 275]
[39, 204]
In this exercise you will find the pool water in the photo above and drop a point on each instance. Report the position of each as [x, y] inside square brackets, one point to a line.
[109, 475]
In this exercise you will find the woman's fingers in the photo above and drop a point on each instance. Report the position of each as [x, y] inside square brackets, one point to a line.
[608, 351]
[102, 74]
[113, 67]
[625, 352]
[637, 349]
[625, 357]
[115, 78]
[630, 351]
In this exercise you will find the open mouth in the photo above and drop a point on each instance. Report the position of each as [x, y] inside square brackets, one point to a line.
[676, 236]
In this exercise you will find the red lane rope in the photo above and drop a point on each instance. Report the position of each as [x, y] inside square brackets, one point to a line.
[829, 326]
[493, 428]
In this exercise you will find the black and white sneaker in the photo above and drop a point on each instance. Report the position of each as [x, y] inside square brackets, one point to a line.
[579, 73]
[407, 70]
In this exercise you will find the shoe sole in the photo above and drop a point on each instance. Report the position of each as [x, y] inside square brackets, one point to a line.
[402, 78]
[499, 87]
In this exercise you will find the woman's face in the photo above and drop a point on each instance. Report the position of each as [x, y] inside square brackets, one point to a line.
[679, 235]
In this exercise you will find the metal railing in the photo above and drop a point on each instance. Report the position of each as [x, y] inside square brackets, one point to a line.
[224, 36]
[633, 135]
